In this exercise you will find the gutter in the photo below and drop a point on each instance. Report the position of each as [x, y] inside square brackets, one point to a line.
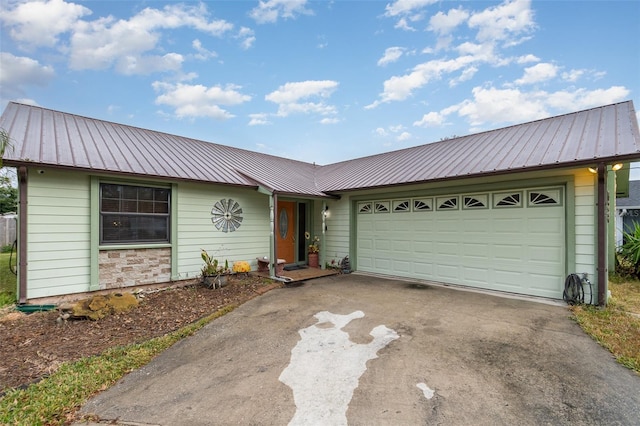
[22, 235]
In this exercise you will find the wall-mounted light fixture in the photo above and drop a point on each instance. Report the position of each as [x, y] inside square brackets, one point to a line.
[593, 170]
[325, 213]
[617, 167]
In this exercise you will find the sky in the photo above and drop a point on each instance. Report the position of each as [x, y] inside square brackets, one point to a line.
[319, 81]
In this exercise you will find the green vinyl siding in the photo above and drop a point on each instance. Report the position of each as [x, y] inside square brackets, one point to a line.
[58, 255]
[337, 229]
[196, 231]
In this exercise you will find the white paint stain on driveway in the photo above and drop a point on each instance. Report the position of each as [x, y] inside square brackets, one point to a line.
[428, 393]
[325, 368]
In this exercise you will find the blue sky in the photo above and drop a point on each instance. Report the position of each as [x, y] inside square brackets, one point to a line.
[320, 81]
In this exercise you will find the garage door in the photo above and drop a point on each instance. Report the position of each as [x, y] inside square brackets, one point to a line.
[510, 241]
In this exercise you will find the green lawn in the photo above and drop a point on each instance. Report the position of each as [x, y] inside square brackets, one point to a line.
[7, 281]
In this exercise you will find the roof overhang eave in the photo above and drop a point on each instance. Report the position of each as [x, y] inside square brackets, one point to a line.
[553, 166]
[138, 176]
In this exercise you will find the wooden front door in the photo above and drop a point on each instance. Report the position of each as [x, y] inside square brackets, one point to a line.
[286, 231]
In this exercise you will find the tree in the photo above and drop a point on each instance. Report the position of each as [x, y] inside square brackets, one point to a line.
[8, 196]
[5, 142]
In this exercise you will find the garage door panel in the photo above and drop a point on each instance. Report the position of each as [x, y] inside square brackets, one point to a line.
[518, 248]
[447, 248]
[548, 225]
[423, 268]
[507, 225]
[508, 252]
[423, 247]
[400, 266]
[448, 273]
[475, 276]
[545, 254]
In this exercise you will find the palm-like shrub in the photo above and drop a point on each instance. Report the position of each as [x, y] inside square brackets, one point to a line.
[629, 253]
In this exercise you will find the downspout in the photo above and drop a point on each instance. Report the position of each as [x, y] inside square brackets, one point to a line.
[602, 234]
[273, 255]
[22, 235]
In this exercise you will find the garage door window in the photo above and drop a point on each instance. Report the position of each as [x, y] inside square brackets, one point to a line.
[544, 198]
[364, 208]
[447, 203]
[382, 207]
[475, 202]
[401, 206]
[423, 205]
[506, 200]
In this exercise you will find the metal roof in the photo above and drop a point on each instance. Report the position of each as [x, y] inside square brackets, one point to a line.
[604, 134]
[50, 138]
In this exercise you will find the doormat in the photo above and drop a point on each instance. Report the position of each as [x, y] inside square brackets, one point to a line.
[294, 267]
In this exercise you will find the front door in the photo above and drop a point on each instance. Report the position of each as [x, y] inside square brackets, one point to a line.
[286, 231]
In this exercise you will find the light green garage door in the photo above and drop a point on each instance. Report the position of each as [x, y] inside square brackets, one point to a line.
[510, 241]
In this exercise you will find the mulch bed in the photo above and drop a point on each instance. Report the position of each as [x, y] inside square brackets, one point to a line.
[33, 346]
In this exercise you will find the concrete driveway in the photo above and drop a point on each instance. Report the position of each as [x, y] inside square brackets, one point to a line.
[358, 350]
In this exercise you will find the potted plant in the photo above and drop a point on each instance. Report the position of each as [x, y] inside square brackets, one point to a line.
[314, 252]
[213, 274]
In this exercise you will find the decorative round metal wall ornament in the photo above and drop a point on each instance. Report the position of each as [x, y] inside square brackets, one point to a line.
[227, 215]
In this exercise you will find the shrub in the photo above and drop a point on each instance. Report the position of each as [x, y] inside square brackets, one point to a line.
[628, 261]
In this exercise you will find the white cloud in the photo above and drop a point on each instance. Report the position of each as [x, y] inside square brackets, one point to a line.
[202, 53]
[467, 74]
[40, 23]
[198, 100]
[502, 106]
[540, 72]
[445, 23]
[404, 136]
[406, 7]
[247, 37]
[271, 10]
[431, 119]
[133, 64]
[105, 42]
[402, 24]
[399, 88]
[491, 106]
[380, 132]
[525, 59]
[502, 22]
[19, 72]
[258, 119]
[572, 100]
[573, 75]
[289, 97]
[391, 54]
[329, 120]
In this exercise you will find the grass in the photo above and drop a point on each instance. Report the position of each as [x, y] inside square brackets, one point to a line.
[54, 400]
[7, 281]
[616, 327]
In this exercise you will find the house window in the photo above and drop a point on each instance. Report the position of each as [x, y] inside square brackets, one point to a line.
[134, 214]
